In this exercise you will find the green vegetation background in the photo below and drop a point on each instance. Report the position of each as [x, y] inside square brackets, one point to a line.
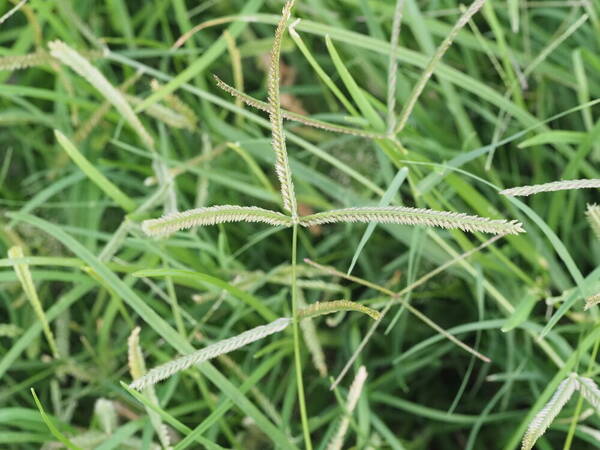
[484, 121]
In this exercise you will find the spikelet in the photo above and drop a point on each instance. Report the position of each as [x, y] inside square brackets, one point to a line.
[18, 62]
[435, 59]
[593, 217]
[178, 105]
[289, 115]
[9, 330]
[282, 166]
[320, 308]
[589, 391]
[137, 369]
[309, 332]
[393, 67]
[553, 186]
[414, 216]
[79, 64]
[26, 280]
[592, 301]
[353, 396]
[106, 415]
[544, 418]
[171, 223]
[225, 346]
[163, 113]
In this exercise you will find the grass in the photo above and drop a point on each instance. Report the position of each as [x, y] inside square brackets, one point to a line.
[388, 133]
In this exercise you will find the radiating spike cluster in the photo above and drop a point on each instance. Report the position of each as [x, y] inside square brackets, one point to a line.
[171, 223]
[593, 217]
[353, 397]
[414, 216]
[553, 186]
[289, 115]
[225, 346]
[320, 308]
[544, 418]
[282, 166]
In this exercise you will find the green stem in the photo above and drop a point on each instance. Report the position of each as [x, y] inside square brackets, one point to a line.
[298, 362]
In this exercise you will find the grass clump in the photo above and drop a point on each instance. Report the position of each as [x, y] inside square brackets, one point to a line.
[139, 192]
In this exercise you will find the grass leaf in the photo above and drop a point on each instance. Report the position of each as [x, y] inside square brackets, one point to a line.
[79, 64]
[94, 174]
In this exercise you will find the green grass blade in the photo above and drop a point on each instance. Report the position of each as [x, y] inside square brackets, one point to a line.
[94, 174]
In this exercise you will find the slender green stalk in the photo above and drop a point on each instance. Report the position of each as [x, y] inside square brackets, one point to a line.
[296, 331]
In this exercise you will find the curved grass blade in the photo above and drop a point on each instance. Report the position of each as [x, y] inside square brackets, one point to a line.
[55, 431]
[79, 64]
[521, 312]
[177, 221]
[414, 216]
[94, 174]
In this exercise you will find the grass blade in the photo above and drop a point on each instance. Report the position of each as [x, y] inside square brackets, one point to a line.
[80, 65]
[94, 174]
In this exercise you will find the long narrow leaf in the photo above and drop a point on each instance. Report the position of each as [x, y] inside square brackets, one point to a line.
[79, 64]
[94, 174]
